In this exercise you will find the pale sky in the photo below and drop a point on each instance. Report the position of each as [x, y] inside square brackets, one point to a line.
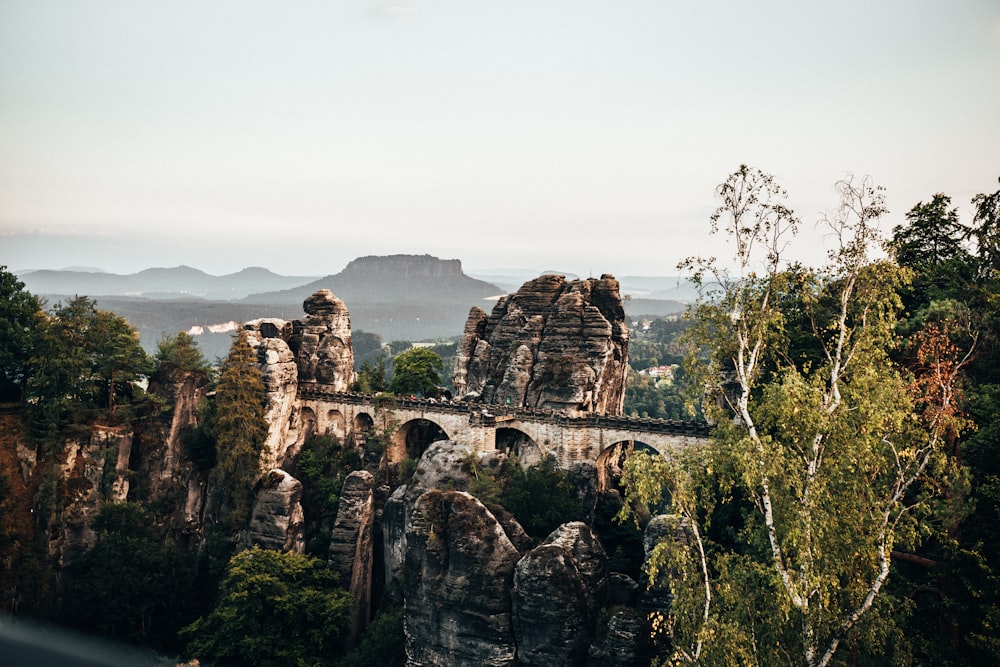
[582, 136]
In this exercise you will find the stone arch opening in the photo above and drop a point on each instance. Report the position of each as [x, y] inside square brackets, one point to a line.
[514, 442]
[413, 438]
[306, 424]
[610, 463]
[335, 425]
[361, 428]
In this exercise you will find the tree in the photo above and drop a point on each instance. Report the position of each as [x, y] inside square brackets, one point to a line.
[274, 609]
[371, 377]
[117, 358]
[19, 315]
[933, 235]
[84, 361]
[986, 228]
[240, 433]
[416, 371]
[181, 352]
[833, 444]
[128, 586]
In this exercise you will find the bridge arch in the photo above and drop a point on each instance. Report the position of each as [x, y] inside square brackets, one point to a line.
[515, 442]
[413, 438]
[361, 428]
[335, 425]
[611, 461]
[307, 423]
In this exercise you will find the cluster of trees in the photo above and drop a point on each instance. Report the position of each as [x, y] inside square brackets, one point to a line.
[842, 511]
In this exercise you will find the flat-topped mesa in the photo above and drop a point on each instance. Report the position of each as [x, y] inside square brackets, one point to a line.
[553, 344]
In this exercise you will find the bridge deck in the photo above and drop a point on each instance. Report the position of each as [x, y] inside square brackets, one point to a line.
[500, 414]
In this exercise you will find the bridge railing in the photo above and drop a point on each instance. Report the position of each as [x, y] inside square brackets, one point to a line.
[485, 413]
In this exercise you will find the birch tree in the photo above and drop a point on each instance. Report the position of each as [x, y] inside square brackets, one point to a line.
[835, 445]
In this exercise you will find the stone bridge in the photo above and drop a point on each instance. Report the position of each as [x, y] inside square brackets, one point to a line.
[412, 424]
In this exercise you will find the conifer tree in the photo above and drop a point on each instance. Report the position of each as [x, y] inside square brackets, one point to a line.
[240, 434]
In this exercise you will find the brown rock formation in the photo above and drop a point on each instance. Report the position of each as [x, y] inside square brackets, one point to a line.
[558, 589]
[459, 572]
[553, 344]
[277, 520]
[442, 466]
[351, 546]
[280, 370]
[321, 342]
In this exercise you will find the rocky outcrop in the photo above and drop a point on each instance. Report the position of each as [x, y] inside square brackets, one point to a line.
[459, 576]
[90, 474]
[558, 588]
[277, 520]
[321, 342]
[159, 458]
[280, 370]
[351, 546]
[655, 595]
[445, 465]
[625, 643]
[553, 344]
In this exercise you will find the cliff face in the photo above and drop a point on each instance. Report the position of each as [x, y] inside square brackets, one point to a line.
[459, 572]
[553, 344]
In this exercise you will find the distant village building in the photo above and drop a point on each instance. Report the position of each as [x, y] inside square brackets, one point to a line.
[664, 374]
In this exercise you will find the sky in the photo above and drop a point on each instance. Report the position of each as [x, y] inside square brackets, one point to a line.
[581, 136]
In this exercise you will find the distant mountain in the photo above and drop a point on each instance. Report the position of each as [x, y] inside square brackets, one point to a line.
[159, 283]
[394, 279]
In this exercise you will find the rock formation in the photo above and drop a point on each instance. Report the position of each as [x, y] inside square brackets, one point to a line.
[351, 552]
[280, 370]
[558, 588]
[321, 342]
[655, 595]
[459, 575]
[277, 520]
[625, 644]
[442, 466]
[553, 344]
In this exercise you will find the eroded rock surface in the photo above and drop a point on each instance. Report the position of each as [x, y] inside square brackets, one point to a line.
[443, 466]
[277, 520]
[626, 643]
[553, 344]
[558, 588]
[321, 342]
[459, 576]
[351, 545]
[280, 373]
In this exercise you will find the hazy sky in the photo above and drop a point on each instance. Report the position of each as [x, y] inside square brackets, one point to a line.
[583, 136]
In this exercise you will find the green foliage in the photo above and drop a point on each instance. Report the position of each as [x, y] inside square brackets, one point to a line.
[85, 362]
[416, 371]
[274, 609]
[19, 315]
[382, 645]
[129, 587]
[541, 497]
[986, 230]
[180, 352]
[371, 377]
[647, 397]
[240, 433]
[838, 448]
[322, 466]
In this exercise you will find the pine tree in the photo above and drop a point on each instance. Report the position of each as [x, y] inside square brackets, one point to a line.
[241, 431]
